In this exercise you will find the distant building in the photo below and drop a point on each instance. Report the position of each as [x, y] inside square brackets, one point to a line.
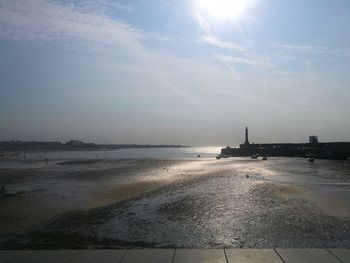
[313, 139]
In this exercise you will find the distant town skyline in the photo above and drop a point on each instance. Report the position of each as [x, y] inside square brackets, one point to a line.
[174, 72]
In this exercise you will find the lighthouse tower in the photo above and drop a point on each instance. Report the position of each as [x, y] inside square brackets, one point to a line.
[246, 142]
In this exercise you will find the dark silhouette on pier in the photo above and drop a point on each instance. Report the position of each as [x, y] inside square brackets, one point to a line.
[314, 148]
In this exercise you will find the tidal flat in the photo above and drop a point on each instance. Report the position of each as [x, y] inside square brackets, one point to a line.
[179, 202]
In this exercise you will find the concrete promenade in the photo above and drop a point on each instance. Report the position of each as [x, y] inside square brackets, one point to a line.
[177, 256]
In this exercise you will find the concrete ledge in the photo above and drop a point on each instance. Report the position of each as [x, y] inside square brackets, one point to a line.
[199, 255]
[177, 256]
[252, 255]
[307, 255]
[149, 256]
[342, 254]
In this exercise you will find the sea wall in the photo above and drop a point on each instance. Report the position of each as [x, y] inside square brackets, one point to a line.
[329, 150]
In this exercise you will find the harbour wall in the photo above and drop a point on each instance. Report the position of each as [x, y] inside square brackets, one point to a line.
[325, 150]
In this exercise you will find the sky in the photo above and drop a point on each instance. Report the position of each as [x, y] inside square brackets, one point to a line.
[191, 72]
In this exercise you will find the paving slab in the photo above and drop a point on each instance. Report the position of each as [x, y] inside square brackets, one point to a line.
[99, 255]
[51, 256]
[342, 254]
[307, 256]
[199, 255]
[11, 256]
[252, 256]
[149, 256]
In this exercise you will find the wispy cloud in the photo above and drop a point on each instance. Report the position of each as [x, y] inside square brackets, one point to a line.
[222, 44]
[51, 21]
[202, 22]
[300, 48]
[251, 61]
[121, 7]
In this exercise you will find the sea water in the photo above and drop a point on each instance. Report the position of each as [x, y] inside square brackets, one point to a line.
[35, 159]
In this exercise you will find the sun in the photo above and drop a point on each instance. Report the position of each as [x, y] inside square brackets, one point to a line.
[224, 9]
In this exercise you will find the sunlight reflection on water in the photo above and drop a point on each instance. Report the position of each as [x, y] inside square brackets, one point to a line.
[270, 207]
[37, 159]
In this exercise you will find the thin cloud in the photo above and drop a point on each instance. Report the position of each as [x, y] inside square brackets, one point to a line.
[214, 41]
[42, 20]
[251, 61]
[300, 48]
[122, 7]
[288, 47]
[202, 22]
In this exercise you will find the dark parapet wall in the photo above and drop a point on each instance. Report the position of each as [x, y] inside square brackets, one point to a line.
[329, 150]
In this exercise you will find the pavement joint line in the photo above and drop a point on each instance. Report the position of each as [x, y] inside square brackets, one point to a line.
[278, 254]
[334, 255]
[173, 256]
[225, 255]
[123, 256]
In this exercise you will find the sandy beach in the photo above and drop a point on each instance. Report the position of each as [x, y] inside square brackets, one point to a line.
[234, 202]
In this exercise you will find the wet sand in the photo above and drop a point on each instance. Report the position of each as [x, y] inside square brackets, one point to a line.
[177, 203]
[168, 173]
[33, 195]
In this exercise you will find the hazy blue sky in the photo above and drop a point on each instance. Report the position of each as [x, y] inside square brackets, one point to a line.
[175, 71]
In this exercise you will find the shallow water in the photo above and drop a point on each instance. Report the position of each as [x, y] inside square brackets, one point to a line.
[37, 159]
[230, 210]
[234, 202]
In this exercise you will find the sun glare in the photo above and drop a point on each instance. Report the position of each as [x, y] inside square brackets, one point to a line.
[224, 9]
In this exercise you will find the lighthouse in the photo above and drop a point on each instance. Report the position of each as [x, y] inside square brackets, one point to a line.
[246, 136]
